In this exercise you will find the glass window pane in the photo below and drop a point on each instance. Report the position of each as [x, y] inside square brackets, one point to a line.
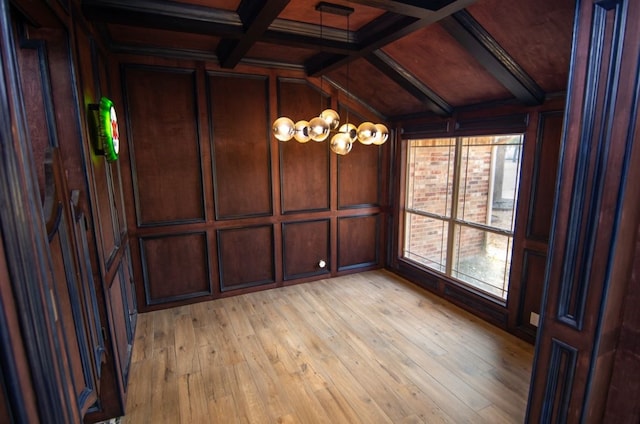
[489, 178]
[430, 175]
[426, 241]
[482, 259]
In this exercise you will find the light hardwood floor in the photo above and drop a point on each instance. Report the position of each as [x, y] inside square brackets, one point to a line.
[364, 348]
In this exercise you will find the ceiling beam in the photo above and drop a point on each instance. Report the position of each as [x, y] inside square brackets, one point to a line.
[409, 83]
[486, 50]
[386, 29]
[415, 8]
[256, 17]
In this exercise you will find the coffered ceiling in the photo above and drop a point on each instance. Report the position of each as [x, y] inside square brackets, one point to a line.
[399, 57]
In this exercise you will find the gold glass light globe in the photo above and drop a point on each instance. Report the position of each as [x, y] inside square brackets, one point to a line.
[283, 128]
[331, 117]
[341, 143]
[351, 130]
[382, 134]
[318, 129]
[302, 131]
[367, 132]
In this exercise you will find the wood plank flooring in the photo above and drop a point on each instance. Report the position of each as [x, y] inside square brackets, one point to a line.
[364, 348]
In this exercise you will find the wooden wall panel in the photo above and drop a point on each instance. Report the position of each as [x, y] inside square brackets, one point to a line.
[540, 157]
[360, 172]
[241, 144]
[530, 290]
[175, 267]
[304, 245]
[597, 211]
[246, 257]
[163, 131]
[102, 190]
[544, 177]
[121, 343]
[304, 168]
[358, 241]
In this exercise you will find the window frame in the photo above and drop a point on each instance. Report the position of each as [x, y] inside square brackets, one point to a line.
[452, 222]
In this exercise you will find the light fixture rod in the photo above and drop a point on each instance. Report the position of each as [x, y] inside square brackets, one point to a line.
[336, 9]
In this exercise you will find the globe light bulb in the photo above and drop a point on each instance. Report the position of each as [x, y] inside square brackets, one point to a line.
[341, 143]
[351, 130]
[382, 134]
[367, 132]
[318, 129]
[283, 128]
[302, 131]
[331, 117]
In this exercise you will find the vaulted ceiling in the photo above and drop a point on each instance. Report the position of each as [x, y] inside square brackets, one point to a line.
[399, 57]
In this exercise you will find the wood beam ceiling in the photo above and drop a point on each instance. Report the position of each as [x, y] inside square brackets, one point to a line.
[256, 21]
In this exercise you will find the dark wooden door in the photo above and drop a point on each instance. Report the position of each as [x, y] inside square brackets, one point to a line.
[591, 256]
[73, 292]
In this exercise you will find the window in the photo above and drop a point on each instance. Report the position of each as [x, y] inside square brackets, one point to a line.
[460, 207]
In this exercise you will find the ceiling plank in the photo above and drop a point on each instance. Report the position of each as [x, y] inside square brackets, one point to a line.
[409, 82]
[165, 15]
[386, 29]
[256, 17]
[486, 50]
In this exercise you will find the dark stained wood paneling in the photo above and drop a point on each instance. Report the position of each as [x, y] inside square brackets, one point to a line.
[544, 179]
[305, 244]
[627, 355]
[358, 238]
[531, 283]
[535, 207]
[359, 172]
[175, 267]
[31, 63]
[128, 286]
[246, 257]
[359, 177]
[304, 168]
[241, 139]
[130, 35]
[99, 166]
[164, 144]
[596, 219]
[119, 328]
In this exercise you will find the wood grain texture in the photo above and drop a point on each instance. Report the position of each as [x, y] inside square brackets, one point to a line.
[364, 348]
[305, 244]
[240, 137]
[358, 241]
[304, 168]
[245, 257]
[164, 134]
[175, 267]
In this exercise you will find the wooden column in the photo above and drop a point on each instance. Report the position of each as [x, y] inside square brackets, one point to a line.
[591, 256]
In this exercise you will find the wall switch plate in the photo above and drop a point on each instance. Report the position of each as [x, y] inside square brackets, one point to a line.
[534, 319]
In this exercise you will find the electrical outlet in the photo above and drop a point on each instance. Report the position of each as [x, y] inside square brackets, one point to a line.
[534, 319]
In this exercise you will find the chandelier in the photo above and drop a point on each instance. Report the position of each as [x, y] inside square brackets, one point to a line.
[327, 124]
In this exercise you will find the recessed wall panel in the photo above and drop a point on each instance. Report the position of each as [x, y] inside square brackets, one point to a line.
[305, 245]
[304, 167]
[544, 179]
[246, 257]
[359, 172]
[175, 267]
[358, 238]
[164, 144]
[241, 138]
